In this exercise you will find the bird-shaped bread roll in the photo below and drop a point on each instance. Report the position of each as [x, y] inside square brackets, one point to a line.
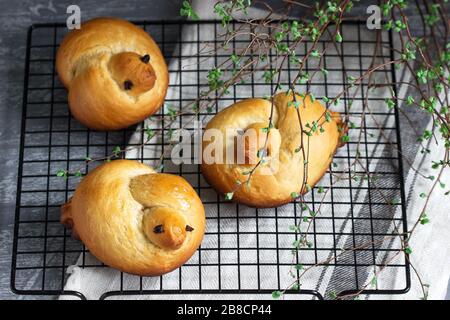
[134, 219]
[280, 157]
[114, 71]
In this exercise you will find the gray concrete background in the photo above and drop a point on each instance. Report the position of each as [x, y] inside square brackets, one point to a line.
[15, 18]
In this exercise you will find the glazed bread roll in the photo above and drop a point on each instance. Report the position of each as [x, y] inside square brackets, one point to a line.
[282, 171]
[134, 219]
[114, 71]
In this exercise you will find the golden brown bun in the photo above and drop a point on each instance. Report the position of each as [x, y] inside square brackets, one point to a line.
[112, 83]
[272, 184]
[136, 220]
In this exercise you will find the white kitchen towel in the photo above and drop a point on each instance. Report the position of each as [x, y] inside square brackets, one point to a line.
[94, 282]
[431, 242]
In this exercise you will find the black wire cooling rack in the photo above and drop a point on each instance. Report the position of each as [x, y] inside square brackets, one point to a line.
[245, 250]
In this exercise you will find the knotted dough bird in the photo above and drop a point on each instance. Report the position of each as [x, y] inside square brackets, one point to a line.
[134, 219]
[114, 72]
[288, 155]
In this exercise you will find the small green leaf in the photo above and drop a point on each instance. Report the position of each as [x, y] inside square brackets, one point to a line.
[187, 11]
[229, 195]
[424, 219]
[149, 133]
[408, 250]
[214, 78]
[221, 10]
[393, 202]
[267, 129]
[235, 59]
[268, 75]
[332, 295]
[116, 151]
[388, 25]
[304, 78]
[409, 100]
[390, 103]
[315, 53]
[351, 79]
[338, 37]
[295, 286]
[374, 281]
[61, 173]
[195, 107]
[276, 294]
[279, 36]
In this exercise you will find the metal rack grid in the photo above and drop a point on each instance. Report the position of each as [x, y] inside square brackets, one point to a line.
[245, 250]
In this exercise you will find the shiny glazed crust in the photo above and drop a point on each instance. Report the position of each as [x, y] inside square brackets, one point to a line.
[89, 65]
[273, 183]
[118, 208]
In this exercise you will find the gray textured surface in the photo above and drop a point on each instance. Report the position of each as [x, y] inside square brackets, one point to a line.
[15, 18]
